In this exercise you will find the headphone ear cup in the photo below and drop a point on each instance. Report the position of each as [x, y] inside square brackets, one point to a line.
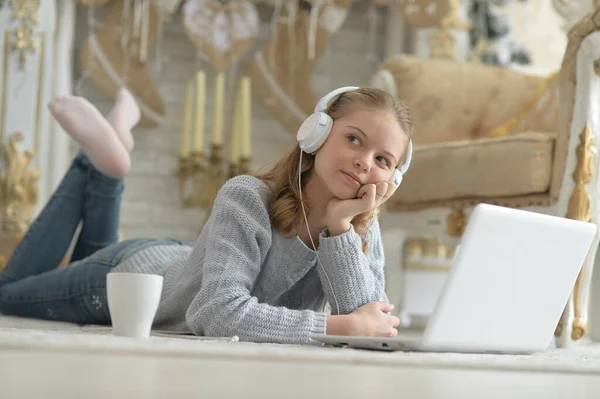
[314, 131]
[396, 177]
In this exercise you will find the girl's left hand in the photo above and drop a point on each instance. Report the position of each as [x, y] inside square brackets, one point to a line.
[341, 212]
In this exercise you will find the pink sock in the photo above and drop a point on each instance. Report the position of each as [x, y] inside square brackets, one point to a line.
[124, 115]
[96, 137]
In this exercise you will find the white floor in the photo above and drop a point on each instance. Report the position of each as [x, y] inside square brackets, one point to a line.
[51, 374]
[40, 359]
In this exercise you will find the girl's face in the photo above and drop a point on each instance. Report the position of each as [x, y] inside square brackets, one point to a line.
[365, 146]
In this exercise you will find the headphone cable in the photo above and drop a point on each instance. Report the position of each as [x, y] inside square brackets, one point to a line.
[310, 235]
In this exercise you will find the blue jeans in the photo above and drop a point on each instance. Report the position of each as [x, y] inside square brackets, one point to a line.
[32, 286]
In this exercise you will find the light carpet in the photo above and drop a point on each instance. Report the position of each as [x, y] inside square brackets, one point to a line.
[29, 334]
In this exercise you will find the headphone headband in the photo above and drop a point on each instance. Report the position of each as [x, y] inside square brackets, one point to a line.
[332, 95]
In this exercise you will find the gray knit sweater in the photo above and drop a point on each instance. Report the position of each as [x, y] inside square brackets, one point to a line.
[243, 278]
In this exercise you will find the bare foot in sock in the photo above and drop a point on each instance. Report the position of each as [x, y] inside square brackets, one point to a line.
[124, 115]
[97, 138]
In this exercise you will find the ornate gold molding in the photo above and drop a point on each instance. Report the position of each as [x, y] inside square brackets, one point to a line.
[456, 223]
[4, 97]
[18, 186]
[579, 209]
[507, 126]
[579, 202]
[23, 38]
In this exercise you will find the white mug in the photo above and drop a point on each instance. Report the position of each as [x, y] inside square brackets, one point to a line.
[133, 300]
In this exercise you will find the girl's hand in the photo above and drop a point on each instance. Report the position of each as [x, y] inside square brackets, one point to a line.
[370, 320]
[341, 212]
[373, 320]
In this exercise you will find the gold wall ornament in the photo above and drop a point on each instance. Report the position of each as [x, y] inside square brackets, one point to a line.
[579, 202]
[579, 209]
[456, 223]
[22, 37]
[511, 123]
[427, 254]
[18, 186]
[201, 178]
[443, 42]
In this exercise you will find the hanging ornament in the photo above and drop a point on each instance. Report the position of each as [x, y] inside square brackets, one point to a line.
[223, 31]
[424, 13]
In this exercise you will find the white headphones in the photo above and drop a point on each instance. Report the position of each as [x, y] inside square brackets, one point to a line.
[316, 128]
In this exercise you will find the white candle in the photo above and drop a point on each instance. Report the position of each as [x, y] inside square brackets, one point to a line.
[246, 118]
[217, 134]
[200, 105]
[234, 145]
[184, 144]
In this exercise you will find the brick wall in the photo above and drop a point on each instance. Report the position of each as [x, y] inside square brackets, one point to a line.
[151, 206]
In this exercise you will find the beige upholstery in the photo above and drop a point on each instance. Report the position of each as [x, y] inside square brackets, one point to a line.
[452, 100]
[511, 165]
[481, 134]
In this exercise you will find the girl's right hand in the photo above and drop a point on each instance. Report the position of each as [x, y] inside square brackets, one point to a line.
[373, 320]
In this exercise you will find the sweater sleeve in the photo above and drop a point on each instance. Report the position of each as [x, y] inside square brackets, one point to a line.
[238, 241]
[355, 278]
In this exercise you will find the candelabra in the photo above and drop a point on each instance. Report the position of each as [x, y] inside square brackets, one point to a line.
[200, 177]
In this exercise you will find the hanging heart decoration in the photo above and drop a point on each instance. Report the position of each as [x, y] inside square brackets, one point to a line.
[424, 13]
[223, 31]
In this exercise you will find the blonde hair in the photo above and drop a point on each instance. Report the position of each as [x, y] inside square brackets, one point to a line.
[285, 209]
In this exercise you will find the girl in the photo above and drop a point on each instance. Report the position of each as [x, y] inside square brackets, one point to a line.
[272, 252]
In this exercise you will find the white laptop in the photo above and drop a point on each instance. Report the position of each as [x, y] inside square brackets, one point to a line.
[507, 287]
